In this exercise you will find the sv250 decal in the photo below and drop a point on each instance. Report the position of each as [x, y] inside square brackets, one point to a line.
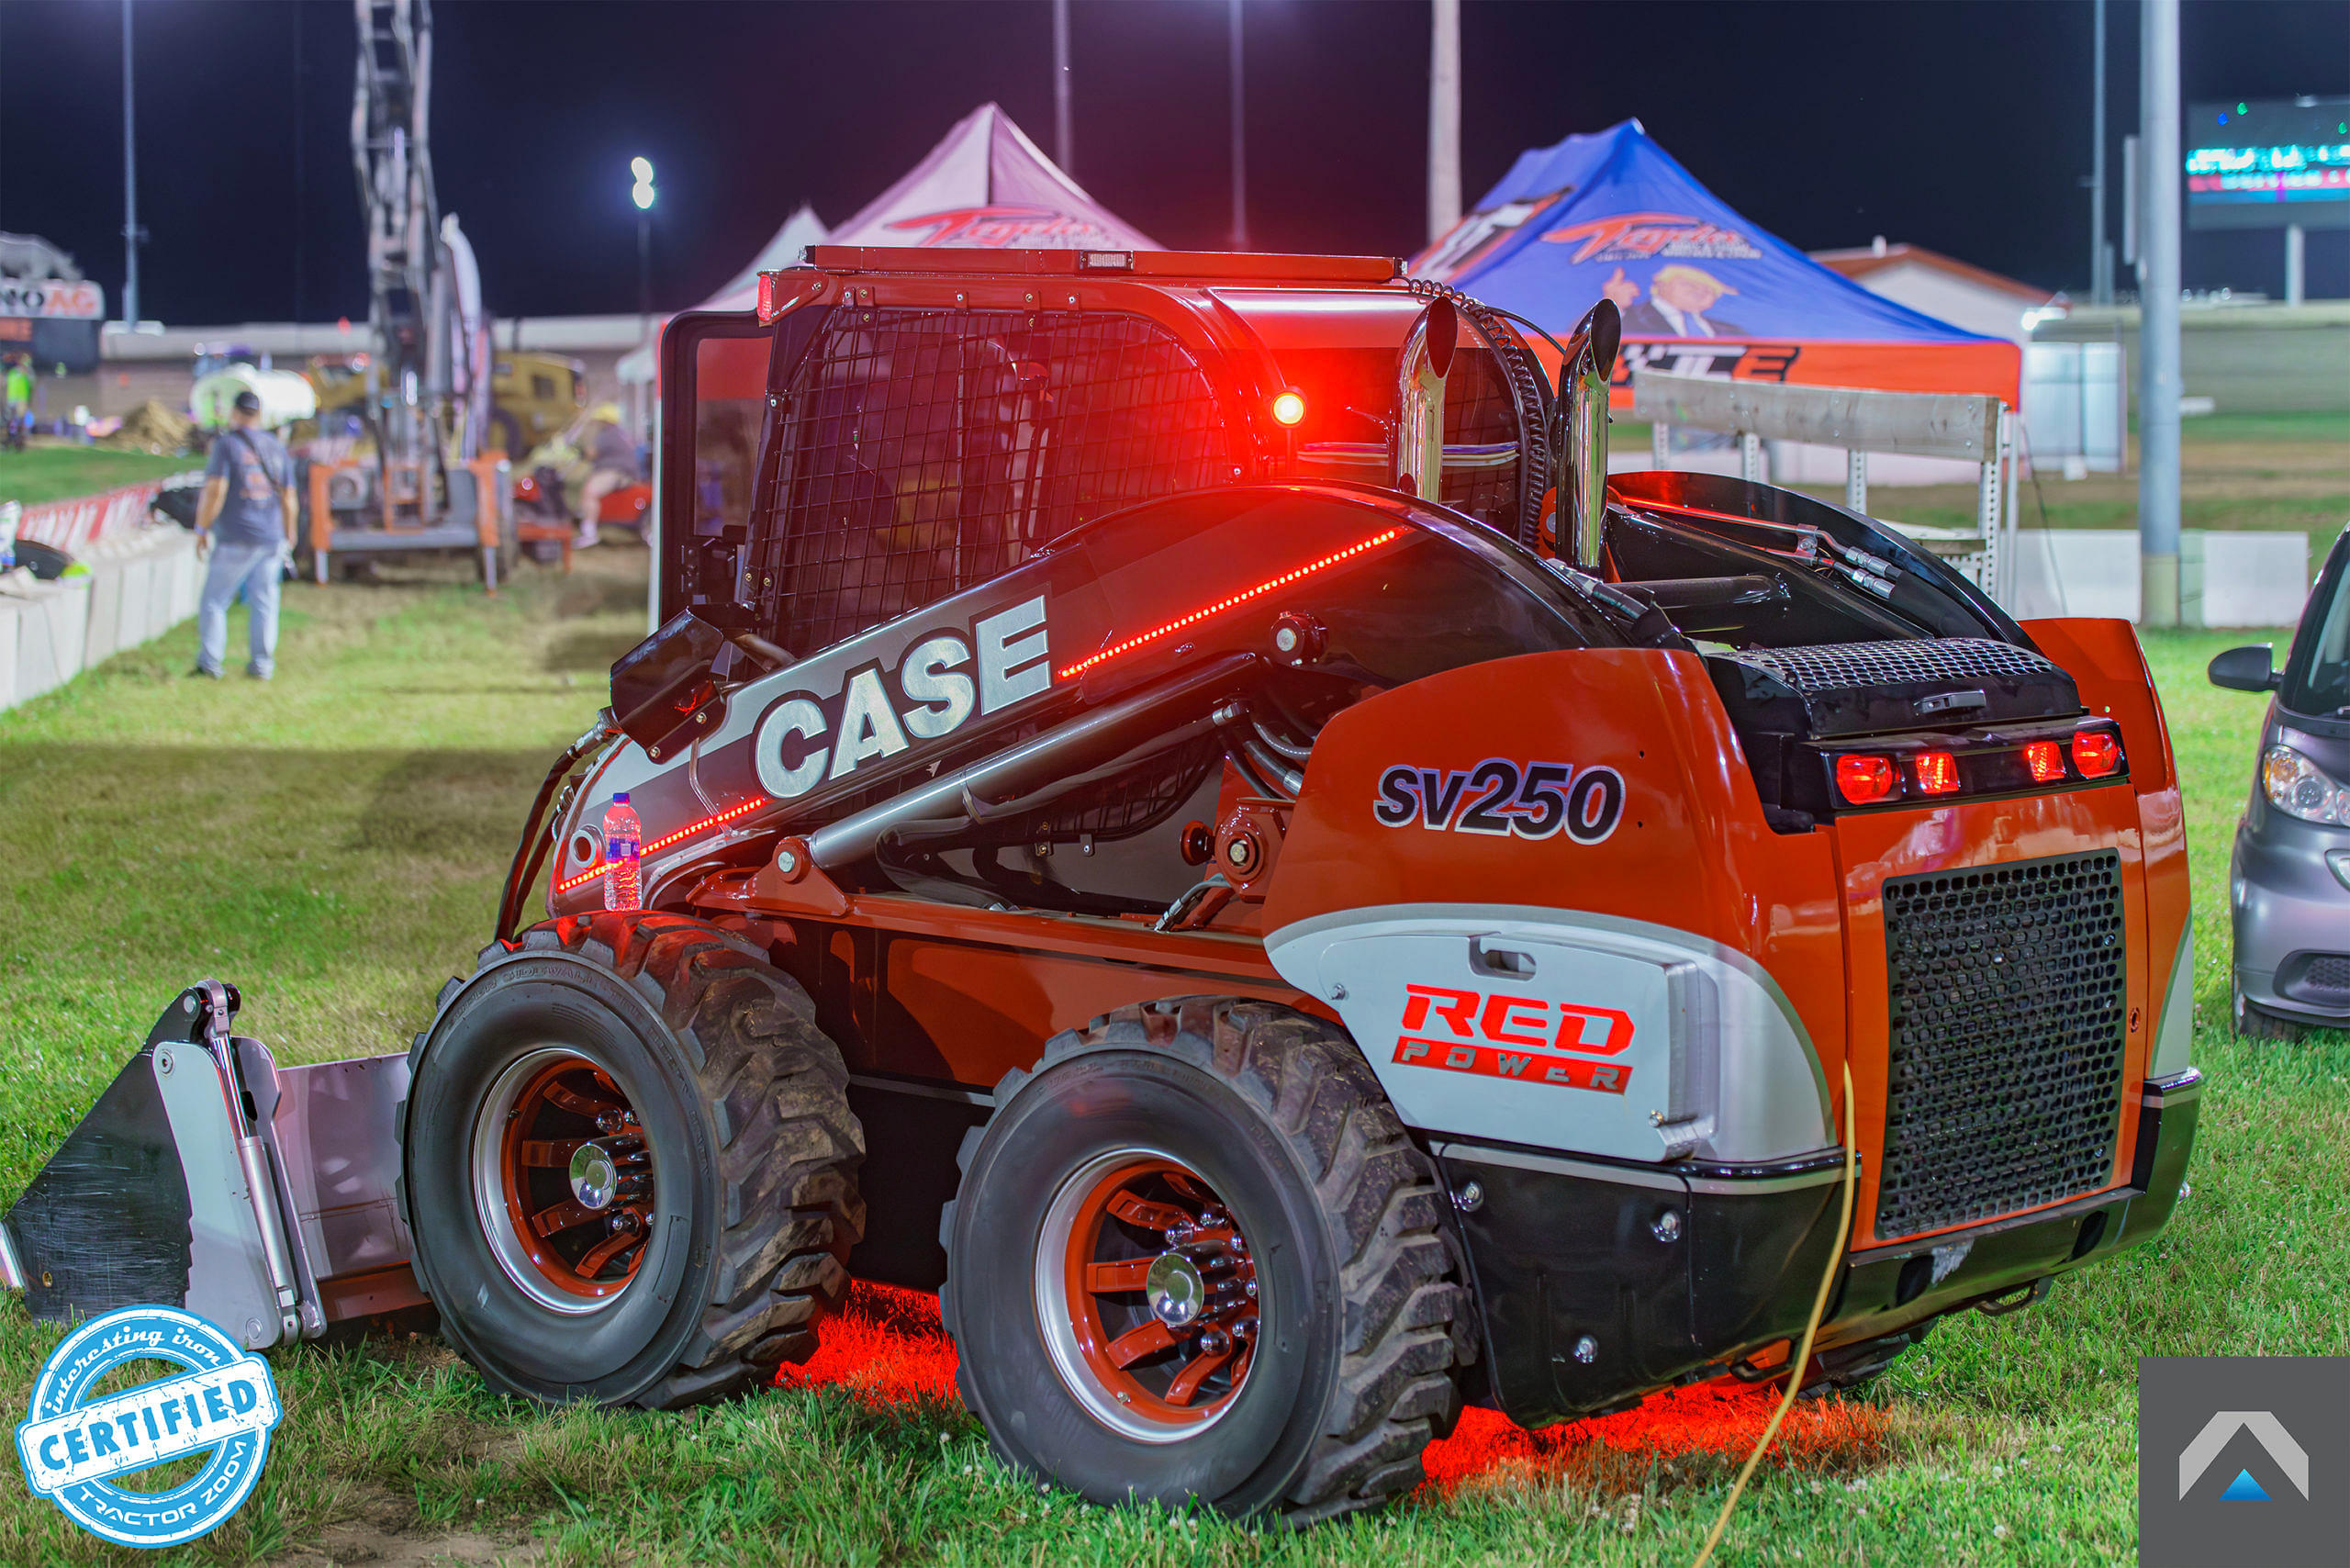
[1526, 800]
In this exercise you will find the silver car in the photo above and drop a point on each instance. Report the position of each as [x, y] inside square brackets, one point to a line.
[2288, 885]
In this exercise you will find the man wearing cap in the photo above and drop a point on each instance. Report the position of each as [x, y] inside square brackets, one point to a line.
[246, 515]
[611, 461]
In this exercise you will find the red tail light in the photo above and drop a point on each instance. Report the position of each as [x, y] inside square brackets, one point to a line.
[2097, 753]
[766, 298]
[2046, 760]
[1937, 773]
[1865, 780]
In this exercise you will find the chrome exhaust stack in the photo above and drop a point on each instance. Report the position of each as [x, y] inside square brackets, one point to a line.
[1582, 425]
[1420, 372]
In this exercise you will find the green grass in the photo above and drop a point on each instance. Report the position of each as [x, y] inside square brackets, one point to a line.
[44, 472]
[333, 843]
[2298, 425]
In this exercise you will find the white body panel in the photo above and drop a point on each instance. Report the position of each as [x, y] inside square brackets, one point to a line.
[1567, 1031]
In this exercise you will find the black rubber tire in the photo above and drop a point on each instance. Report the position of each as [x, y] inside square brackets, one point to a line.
[1279, 1113]
[744, 1103]
[2246, 1021]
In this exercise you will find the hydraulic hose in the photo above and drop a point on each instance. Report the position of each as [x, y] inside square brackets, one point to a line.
[1802, 1358]
[531, 851]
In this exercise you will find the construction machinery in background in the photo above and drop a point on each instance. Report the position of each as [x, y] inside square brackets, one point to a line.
[1178, 803]
[533, 396]
[432, 482]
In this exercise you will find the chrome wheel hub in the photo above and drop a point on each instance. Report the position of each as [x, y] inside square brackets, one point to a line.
[595, 1176]
[1175, 1291]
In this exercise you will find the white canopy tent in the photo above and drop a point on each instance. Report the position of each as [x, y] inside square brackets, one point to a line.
[986, 185]
[801, 229]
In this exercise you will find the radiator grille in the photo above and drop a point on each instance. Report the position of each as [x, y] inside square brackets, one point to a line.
[2006, 986]
[1847, 666]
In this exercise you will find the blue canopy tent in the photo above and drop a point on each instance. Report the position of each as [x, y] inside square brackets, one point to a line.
[1704, 291]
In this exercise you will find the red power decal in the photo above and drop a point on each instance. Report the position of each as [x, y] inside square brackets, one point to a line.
[1525, 1067]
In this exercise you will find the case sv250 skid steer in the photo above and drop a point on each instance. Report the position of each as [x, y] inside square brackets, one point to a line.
[1184, 810]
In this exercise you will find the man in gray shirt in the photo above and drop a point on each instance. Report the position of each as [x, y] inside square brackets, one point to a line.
[246, 516]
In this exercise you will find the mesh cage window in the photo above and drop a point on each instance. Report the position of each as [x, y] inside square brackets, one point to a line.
[920, 453]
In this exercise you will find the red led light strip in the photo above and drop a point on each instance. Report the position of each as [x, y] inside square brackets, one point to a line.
[658, 844]
[1221, 605]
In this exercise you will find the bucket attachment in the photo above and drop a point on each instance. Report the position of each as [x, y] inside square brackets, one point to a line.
[259, 1197]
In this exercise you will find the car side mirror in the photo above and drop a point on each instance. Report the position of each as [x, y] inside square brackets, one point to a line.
[2246, 669]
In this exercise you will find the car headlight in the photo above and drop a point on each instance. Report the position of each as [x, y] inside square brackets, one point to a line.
[2299, 787]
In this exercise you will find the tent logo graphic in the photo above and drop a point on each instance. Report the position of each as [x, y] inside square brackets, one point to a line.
[2290, 1457]
[1644, 236]
[1008, 227]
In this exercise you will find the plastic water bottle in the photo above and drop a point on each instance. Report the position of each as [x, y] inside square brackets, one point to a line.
[623, 842]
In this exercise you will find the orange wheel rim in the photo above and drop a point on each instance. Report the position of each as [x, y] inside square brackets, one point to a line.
[1158, 1291]
[564, 1181]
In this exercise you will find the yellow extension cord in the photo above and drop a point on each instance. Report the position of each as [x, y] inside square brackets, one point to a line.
[1811, 1331]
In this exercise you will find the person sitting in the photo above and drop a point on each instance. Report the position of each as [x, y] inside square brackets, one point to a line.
[611, 461]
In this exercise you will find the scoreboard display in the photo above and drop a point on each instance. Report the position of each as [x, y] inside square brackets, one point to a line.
[2263, 163]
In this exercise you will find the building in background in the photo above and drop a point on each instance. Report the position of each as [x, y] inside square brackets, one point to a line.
[1943, 286]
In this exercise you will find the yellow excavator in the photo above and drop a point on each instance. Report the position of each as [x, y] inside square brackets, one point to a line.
[533, 396]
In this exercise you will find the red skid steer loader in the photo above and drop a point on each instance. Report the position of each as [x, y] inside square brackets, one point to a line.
[1184, 809]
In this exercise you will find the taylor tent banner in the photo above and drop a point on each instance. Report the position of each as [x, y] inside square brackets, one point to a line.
[985, 184]
[1704, 291]
[801, 229]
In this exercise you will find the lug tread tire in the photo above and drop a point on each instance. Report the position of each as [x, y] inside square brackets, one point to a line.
[788, 1147]
[1407, 1321]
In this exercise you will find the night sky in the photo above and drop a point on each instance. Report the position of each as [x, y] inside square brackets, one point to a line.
[1961, 126]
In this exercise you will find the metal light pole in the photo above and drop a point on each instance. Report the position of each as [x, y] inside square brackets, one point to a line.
[2158, 389]
[129, 182]
[1240, 142]
[642, 194]
[1064, 117]
[2100, 252]
[1444, 115]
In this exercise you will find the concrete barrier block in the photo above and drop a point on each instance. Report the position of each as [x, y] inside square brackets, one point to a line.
[2255, 578]
[103, 634]
[2075, 571]
[12, 630]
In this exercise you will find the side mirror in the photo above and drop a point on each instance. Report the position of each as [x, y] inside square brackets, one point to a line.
[2246, 669]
